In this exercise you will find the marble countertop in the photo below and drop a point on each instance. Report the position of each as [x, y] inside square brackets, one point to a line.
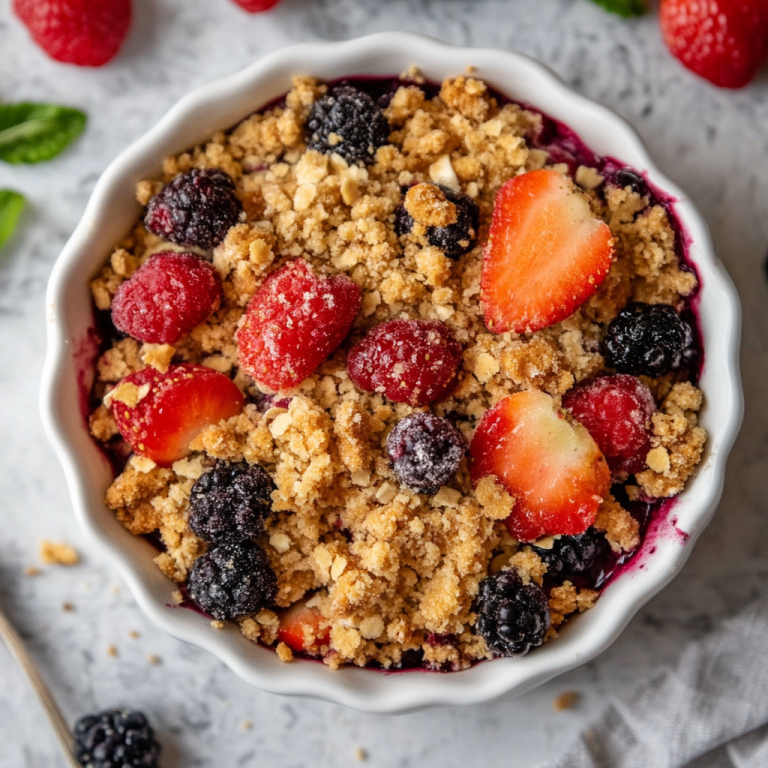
[712, 143]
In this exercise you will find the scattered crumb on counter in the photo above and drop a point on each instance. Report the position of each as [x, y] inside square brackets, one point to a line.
[153, 659]
[360, 754]
[112, 650]
[55, 553]
[30, 570]
[133, 634]
[566, 700]
[246, 725]
[68, 607]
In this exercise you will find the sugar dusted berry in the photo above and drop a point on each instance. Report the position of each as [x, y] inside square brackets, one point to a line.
[166, 298]
[116, 738]
[426, 451]
[230, 502]
[81, 32]
[347, 121]
[549, 464]
[295, 320]
[617, 411]
[196, 209]
[647, 340]
[256, 6]
[512, 617]
[232, 580]
[160, 414]
[409, 361]
[572, 554]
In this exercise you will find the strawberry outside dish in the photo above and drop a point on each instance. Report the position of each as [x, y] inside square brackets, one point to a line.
[397, 373]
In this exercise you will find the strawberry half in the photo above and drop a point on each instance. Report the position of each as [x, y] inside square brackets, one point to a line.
[294, 321]
[303, 629]
[547, 253]
[551, 465]
[160, 414]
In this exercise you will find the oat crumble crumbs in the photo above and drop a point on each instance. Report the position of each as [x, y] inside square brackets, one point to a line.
[389, 570]
[566, 700]
[53, 553]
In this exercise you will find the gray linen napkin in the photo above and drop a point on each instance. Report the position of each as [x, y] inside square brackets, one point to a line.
[709, 712]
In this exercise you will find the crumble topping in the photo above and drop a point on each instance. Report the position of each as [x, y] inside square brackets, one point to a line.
[391, 571]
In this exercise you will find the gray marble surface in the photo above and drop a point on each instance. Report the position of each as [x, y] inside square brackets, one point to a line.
[712, 143]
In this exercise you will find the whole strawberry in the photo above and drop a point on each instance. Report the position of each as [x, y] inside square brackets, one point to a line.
[723, 41]
[84, 32]
[257, 6]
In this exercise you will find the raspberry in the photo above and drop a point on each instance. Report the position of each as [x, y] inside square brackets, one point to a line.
[160, 414]
[572, 554]
[257, 6]
[166, 298]
[116, 738]
[410, 361]
[232, 580]
[230, 503]
[84, 32]
[295, 320]
[348, 122]
[648, 340]
[196, 209]
[426, 451]
[723, 41]
[616, 411]
[512, 617]
[454, 240]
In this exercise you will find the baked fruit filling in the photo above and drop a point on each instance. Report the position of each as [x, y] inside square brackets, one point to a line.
[396, 374]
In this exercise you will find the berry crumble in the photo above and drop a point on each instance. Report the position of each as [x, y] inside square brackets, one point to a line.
[395, 373]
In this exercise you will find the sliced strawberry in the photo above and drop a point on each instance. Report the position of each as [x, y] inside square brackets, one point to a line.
[549, 464]
[303, 629]
[296, 319]
[160, 414]
[547, 253]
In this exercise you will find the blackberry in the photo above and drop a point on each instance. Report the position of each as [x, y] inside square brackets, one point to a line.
[648, 339]
[512, 617]
[426, 451]
[347, 121]
[454, 240]
[232, 580]
[627, 178]
[195, 209]
[572, 554]
[230, 503]
[116, 738]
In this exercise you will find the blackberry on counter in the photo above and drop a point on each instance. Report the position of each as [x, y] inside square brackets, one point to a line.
[232, 580]
[230, 502]
[195, 209]
[454, 240]
[116, 738]
[512, 617]
[647, 339]
[426, 451]
[347, 121]
[572, 554]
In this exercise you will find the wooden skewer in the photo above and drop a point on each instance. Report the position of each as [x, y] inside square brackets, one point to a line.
[19, 652]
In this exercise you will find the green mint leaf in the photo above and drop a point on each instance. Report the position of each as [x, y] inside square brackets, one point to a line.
[625, 8]
[11, 206]
[31, 133]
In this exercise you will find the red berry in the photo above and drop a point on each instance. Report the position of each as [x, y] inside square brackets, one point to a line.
[617, 411]
[303, 629]
[164, 412]
[83, 32]
[296, 319]
[723, 41]
[410, 361]
[550, 465]
[166, 298]
[546, 254]
[257, 6]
